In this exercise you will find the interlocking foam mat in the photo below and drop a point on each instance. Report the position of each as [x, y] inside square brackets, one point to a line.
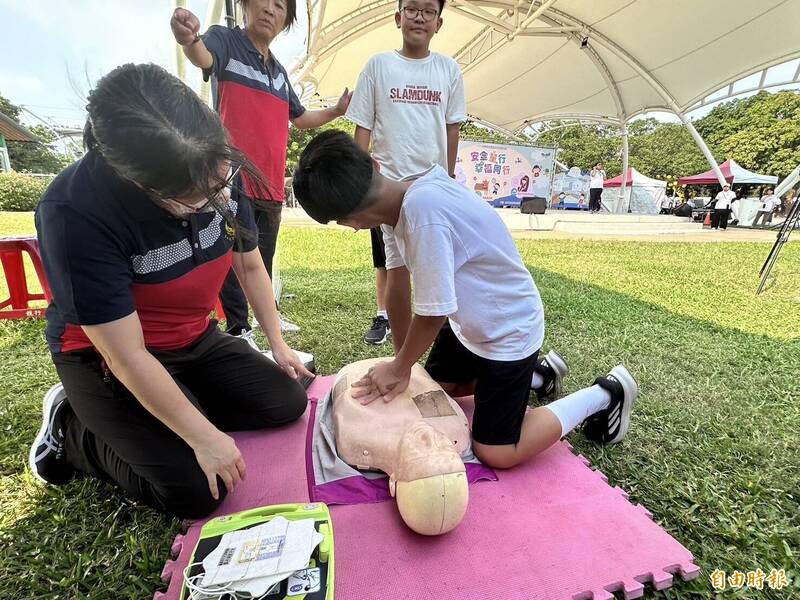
[550, 529]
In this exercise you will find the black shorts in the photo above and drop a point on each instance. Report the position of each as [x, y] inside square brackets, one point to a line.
[502, 388]
[378, 248]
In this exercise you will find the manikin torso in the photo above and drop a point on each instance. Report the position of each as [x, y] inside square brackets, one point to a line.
[417, 439]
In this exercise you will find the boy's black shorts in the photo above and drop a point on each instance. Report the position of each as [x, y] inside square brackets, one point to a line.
[502, 388]
[378, 248]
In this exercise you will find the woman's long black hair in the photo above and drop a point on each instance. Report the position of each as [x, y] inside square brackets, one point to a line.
[153, 130]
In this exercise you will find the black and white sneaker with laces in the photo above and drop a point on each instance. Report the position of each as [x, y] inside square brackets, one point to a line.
[611, 424]
[379, 332]
[553, 369]
[47, 458]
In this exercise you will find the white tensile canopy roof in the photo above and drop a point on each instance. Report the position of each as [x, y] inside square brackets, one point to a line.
[605, 60]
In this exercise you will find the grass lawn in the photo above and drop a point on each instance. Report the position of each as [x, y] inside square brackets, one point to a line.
[714, 451]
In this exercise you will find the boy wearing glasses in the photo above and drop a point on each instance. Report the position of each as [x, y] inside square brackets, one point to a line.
[409, 104]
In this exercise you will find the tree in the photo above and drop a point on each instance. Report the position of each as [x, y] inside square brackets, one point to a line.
[471, 131]
[762, 132]
[32, 157]
[585, 145]
[299, 139]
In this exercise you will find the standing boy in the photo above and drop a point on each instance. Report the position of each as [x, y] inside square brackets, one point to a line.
[255, 100]
[466, 270]
[410, 104]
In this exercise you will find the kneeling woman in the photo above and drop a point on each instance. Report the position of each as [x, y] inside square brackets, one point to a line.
[137, 238]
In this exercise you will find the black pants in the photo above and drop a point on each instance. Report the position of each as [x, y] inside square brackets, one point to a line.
[110, 435]
[719, 218]
[766, 215]
[594, 198]
[234, 302]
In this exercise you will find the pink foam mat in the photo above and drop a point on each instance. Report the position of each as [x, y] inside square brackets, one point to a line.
[550, 529]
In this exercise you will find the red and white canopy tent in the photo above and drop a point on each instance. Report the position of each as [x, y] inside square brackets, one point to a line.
[642, 194]
[733, 173]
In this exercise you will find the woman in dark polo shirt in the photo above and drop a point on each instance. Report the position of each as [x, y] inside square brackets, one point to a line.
[137, 238]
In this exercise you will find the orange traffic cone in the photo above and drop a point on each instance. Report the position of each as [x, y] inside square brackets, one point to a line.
[707, 220]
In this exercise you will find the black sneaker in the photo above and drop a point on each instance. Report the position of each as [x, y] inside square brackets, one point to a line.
[379, 332]
[553, 369]
[47, 458]
[611, 424]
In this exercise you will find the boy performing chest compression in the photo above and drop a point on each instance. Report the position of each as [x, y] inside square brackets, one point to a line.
[465, 271]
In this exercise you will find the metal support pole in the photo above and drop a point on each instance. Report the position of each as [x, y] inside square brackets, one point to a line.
[625, 166]
[702, 144]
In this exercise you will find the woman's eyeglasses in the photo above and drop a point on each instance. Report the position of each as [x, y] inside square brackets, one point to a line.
[227, 184]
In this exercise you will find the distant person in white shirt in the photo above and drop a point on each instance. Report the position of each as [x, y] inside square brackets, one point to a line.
[719, 218]
[466, 271]
[769, 202]
[598, 177]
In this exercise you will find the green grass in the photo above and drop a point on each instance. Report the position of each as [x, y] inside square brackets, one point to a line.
[713, 452]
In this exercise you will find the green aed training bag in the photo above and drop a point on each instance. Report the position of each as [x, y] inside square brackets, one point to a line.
[313, 583]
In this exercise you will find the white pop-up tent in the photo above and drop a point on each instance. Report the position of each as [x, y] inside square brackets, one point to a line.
[642, 194]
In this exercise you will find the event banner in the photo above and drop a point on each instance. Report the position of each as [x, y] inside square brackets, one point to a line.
[505, 174]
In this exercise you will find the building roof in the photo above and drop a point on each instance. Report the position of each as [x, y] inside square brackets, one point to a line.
[14, 132]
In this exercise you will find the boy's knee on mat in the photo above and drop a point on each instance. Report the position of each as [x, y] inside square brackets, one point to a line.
[497, 457]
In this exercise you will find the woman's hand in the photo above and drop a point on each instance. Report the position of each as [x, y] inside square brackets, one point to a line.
[185, 26]
[287, 359]
[219, 456]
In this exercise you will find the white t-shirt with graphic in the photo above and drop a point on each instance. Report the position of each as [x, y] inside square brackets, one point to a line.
[464, 265]
[407, 103]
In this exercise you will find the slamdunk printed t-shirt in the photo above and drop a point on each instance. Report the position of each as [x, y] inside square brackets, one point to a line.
[407, 103]
[464, 265]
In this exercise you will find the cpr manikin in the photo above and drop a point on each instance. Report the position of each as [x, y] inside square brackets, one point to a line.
[417, 439]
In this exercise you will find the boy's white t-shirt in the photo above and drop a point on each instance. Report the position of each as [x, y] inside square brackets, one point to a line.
[406, 103]
[597, 179]
[464, 265]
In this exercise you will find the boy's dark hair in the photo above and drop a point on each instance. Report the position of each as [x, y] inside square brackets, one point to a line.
[441, 5]
[291, 12]
[333, 177]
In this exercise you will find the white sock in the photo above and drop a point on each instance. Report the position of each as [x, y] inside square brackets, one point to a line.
[384, 314]
[573, 410]
[537, 381]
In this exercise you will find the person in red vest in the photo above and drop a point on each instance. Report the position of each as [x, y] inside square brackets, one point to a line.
[256, 102]
[137, 238]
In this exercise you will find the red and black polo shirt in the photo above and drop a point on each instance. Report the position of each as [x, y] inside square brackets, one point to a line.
[255, 101]
[109, 250]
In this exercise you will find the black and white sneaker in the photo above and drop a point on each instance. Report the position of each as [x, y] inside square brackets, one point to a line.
[47, 458]
[611, 424]
[379, 332]
[553, 369]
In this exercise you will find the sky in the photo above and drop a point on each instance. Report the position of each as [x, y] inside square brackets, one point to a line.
[54, 50]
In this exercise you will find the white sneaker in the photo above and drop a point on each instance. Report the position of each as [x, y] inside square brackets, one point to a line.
[287, 326]
[249, 337]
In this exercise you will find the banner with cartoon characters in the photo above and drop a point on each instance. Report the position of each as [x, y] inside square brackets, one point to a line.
[504, 175]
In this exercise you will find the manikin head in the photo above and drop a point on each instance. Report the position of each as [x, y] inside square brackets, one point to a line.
[429, 481]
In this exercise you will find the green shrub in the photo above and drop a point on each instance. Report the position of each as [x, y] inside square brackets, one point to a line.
[21, 192]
